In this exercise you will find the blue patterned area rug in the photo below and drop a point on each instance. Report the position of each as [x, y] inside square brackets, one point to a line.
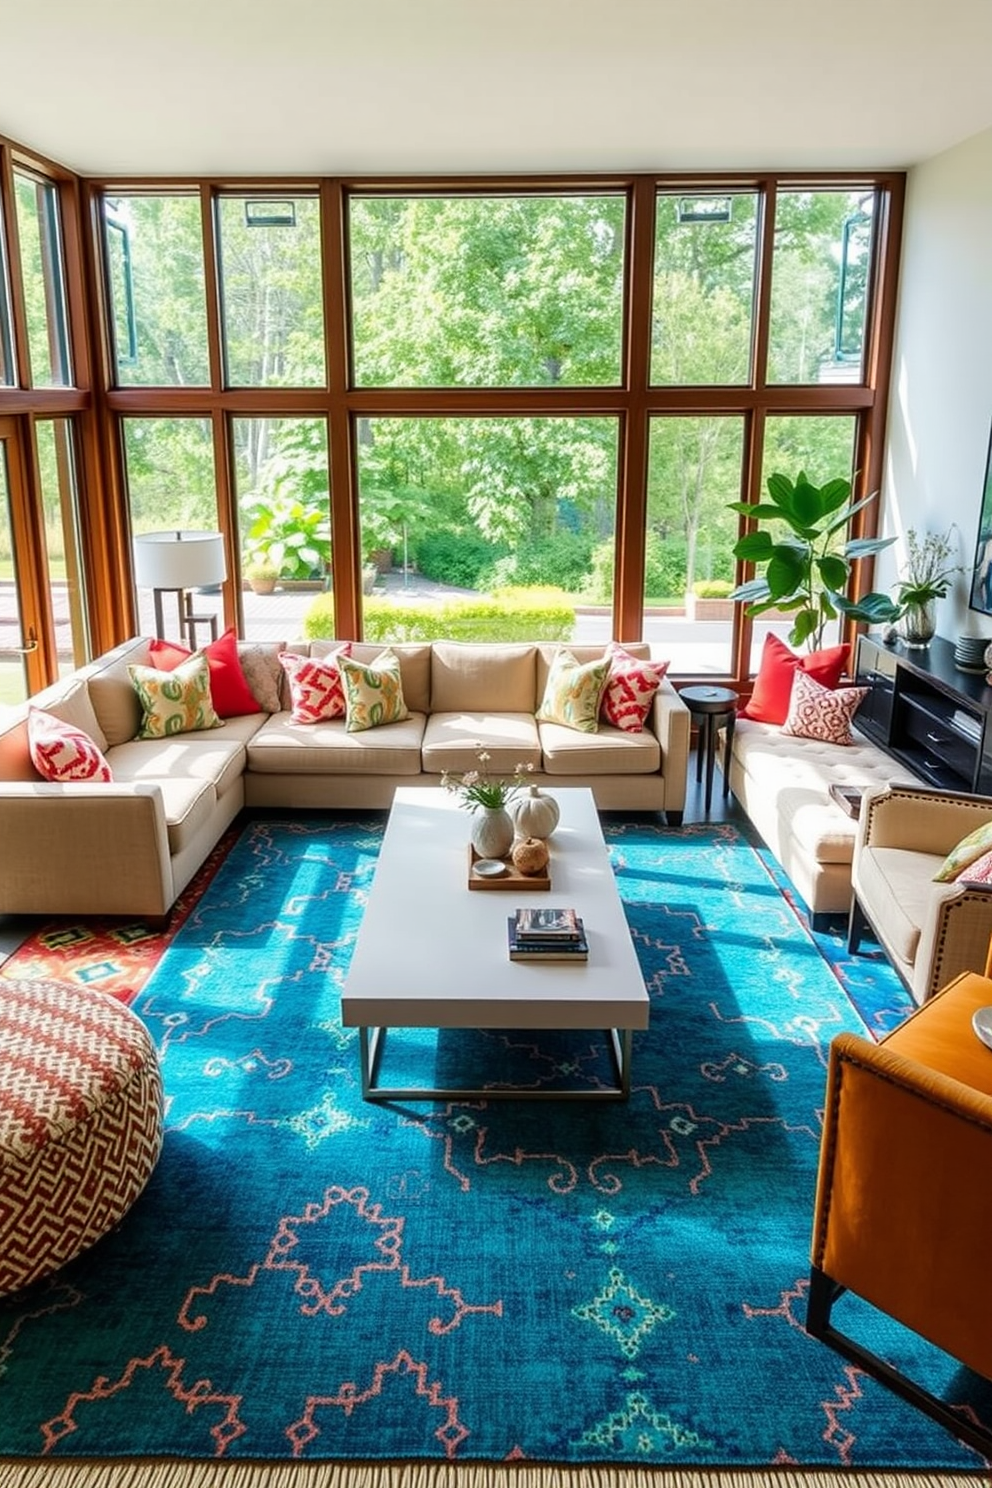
[311, 1277]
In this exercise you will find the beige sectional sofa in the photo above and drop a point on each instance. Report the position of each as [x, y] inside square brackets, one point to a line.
[129, 847]
[783, 783]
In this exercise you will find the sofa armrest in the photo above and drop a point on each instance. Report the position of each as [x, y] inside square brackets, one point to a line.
[955, 937]
[670, 721]
[82, 848]
[918, 819]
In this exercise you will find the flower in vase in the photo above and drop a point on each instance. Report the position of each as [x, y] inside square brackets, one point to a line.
[478, 788]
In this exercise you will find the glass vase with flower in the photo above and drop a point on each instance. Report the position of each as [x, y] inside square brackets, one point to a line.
[928, 577]
[488, 797]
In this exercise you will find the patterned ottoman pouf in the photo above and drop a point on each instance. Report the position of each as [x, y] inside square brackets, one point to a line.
[80, 1122]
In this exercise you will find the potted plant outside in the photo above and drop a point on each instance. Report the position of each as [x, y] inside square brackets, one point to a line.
[807, 571]
[262, 576]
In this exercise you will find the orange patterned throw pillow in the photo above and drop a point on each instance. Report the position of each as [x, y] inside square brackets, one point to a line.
[630, 689]
[316, 687]
[824, 713]
[61, 752]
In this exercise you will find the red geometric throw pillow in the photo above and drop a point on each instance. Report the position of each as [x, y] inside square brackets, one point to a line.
[630, 689]
[229, 690]
[61, 752]
[822, 713]
[769, 701]
[316, 688]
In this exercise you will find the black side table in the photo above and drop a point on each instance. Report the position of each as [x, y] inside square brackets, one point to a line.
[711, 707]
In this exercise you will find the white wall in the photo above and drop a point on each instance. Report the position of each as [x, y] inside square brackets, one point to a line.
[941, 406]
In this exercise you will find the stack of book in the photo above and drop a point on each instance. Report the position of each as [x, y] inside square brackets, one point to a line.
[546, 935]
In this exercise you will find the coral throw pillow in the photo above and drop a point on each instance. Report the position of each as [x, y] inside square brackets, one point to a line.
[229, 690]
[824, 713]
[176, 702]
[967, 852]
[316, 687]
[61, 752]
[769, 702]
[573, 692]
[630, 689]
[979, 872]
[373, 692]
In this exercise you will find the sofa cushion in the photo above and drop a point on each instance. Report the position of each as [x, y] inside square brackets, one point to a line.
[818, 712]
[263, 672]
[794, 777]
[174, 702]
[316, 687]
[60, 751]
[573, 692]
[281, 747]
[769, 700]
[472, 678]
[415, 666]
[964, 853]
[112, 693]
[630, 689]
[210, 759]
[902, 880]
[373, 692]
[610, 751]
[452, 741]
[229, 690]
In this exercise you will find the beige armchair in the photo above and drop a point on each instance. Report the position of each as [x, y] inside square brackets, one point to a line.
[931, 932]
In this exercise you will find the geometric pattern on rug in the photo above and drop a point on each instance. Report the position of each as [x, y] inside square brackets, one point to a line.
[308, 1276]
[110, 955]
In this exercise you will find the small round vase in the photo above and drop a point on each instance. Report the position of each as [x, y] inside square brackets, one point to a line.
[918, 625]
[492, 832]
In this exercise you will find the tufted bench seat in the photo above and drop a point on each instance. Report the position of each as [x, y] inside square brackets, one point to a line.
[80, 1122]
[783, 783]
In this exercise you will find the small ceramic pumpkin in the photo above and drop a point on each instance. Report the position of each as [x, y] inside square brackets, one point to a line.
[530, 856]
[535, 815]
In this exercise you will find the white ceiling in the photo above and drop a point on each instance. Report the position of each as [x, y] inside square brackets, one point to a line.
[254, 87]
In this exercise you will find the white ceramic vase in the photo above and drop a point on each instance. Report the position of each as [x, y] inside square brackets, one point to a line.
[492, 831]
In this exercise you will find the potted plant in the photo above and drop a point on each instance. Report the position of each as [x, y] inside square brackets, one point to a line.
[928, 577]
[807, 571]
[262, 576]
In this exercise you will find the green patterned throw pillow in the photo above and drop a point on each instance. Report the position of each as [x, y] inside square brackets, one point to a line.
[967, 851]
[373, 691]
[573, 692]
[176, 702]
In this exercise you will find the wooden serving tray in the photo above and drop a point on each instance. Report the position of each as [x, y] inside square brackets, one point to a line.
[511, 879]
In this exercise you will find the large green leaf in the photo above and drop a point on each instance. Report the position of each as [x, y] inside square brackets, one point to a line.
[873, 609]
[833, 571]
[752, 592]
[755, 546]
[782, 491]
[806, 623]
[807, 504]
[761, 511]
[834, 494]
[786, 571]
[863, 547]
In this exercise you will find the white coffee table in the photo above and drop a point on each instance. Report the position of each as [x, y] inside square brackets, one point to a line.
[431, 953]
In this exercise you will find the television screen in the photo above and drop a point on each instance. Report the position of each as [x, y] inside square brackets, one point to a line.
[981, 583]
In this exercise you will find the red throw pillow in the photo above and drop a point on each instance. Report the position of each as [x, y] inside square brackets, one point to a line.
[769, 702]
[59, 751]
[630, 689]
[229, 688]
[316, 686]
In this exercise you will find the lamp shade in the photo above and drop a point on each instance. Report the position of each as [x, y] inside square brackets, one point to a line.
[179, 560]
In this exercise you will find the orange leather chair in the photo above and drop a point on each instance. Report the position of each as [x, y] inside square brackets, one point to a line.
[904, 1195]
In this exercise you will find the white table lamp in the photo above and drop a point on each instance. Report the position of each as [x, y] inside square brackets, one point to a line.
[180, 561]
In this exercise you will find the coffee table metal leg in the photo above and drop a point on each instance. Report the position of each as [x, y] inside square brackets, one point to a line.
[371, 1040]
